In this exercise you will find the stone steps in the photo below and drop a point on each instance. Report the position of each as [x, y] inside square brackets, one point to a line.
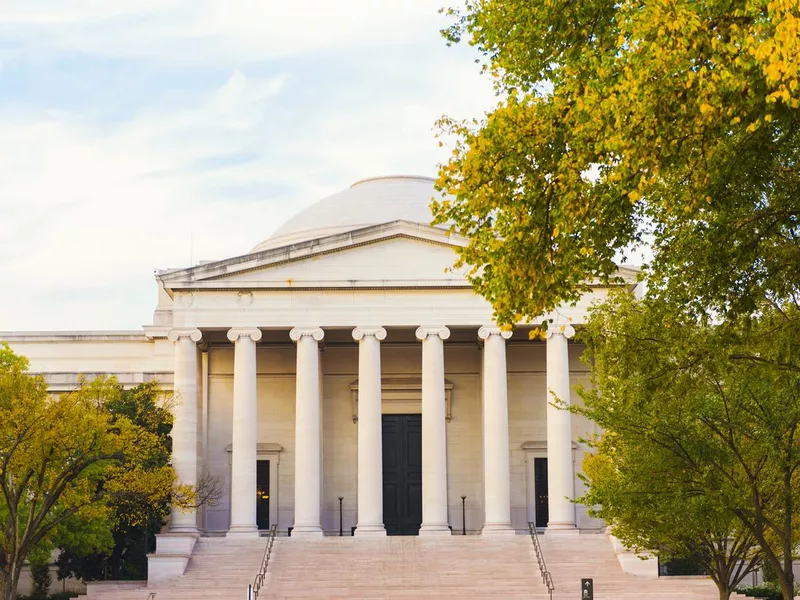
[413, 567]
[573, 557]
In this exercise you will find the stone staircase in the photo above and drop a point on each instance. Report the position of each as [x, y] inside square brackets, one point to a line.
[219, 569]
[413, 567]
[404, 567]
[570, 558]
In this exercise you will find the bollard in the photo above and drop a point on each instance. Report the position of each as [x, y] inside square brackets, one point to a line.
[340, 516]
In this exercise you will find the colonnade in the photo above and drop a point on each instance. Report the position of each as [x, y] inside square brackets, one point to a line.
[308, 431]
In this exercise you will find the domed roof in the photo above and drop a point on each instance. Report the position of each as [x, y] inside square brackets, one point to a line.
[367, 202]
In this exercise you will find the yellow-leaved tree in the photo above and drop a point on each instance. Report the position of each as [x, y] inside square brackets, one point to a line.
[71, 468]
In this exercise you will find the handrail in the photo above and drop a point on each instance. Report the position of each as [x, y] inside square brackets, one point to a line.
[252, 590]
[547, 579]
[151, 596]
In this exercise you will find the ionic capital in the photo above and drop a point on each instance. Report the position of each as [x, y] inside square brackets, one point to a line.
[379, 333]
[235, 333]
[441, 331]
[189, 332]
[489, 330]
[566, 330]
[313, 332]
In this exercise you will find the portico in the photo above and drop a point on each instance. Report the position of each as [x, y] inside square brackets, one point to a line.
[431, 403]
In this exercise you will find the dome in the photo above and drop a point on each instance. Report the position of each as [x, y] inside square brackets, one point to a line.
[367, 202]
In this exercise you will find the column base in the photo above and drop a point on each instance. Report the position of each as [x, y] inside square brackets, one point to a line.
[307, 531]
[498, 529]
[242, 531]
[561, 528]
[184, 530]
[370, 531]
[434, 530]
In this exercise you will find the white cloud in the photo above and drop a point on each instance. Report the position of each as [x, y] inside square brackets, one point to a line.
[88, 208]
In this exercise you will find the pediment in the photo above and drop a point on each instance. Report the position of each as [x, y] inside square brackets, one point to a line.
[395, 255]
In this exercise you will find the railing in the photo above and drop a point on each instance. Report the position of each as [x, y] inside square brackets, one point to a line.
[255, 588]
[547, 579]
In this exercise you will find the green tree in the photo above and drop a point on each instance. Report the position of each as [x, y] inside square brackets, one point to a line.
[702, 430]
[639, 489]
[136, 516]
[679, 120]
[65, 462]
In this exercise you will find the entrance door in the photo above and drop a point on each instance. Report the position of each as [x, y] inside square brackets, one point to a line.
[540, 488]
[402, 474]
[262, 494]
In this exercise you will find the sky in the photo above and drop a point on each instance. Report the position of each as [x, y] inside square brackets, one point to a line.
[138, 135]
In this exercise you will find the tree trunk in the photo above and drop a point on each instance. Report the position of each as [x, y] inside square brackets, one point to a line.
[724, 591]
[9, 580]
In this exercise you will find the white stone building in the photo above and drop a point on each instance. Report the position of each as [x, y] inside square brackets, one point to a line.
[341, 358]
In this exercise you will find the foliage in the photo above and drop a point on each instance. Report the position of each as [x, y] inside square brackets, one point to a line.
[68, 466]
[767, 591]
[137, 513]
[701, 428]
[678, 120]
[41, 578]
[56, 596]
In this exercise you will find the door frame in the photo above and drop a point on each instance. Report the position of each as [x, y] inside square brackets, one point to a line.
[536, 449]
[272, 453]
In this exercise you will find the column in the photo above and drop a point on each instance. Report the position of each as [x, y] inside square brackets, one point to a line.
[370, 443]
[308, 434]
[244, 453]
[184, 429]
[496, 449]
[560, 477]
[434, 433]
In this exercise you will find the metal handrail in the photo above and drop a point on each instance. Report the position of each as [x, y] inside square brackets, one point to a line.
[547, 579]
[258, 583]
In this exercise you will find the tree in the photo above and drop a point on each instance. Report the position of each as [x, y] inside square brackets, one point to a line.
[702, 420]
[136, 516]
[638, 489]
[64, 462]
[678, 121]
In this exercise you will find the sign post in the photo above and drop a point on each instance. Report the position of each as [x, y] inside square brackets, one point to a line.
[587, 589]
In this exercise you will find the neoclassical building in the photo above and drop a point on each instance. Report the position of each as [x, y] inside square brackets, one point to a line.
[342, 362]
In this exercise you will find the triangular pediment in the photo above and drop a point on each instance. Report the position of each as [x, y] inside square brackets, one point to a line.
[394, 255]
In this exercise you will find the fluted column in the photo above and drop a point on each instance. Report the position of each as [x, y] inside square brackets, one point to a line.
[496, 470]
[245, 432]
[184, 429]
[434, 433]
[308, 433]
[370, 443]
[560, 476]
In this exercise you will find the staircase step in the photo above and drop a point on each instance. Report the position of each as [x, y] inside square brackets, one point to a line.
[414, 567]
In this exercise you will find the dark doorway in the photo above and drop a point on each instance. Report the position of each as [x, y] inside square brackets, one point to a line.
[540, 488]
[262, 494]
[402, 474]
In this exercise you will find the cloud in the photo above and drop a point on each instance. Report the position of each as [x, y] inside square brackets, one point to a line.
[235, 117]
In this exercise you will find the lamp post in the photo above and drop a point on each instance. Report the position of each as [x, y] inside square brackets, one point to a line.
[463, 515]
[340, 515]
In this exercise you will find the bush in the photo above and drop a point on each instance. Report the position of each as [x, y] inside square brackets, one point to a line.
[40, 574]
[56, 596]
[768, 590]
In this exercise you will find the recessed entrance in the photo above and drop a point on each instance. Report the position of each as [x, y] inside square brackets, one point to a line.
[262, 494]
[402, 474]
